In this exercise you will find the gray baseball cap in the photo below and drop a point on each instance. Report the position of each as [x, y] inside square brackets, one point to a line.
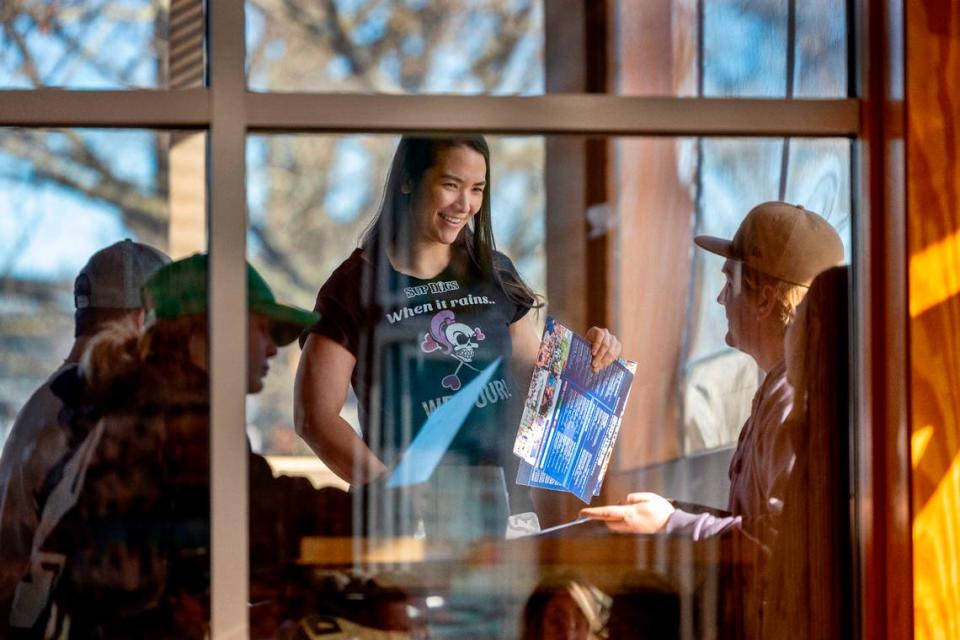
[114, 276]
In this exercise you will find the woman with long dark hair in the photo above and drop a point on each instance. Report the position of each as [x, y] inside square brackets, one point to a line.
[810, 582]
[423, 306]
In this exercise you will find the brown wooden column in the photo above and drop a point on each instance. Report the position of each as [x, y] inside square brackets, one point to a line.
[933, 234]
[579, 291]
[578, 287]
[882, 436]
[651, 260]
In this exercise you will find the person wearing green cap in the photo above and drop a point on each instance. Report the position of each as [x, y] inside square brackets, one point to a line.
[180, 291]
[124, 549]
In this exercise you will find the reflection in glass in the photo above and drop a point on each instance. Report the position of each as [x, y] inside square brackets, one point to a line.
[63, 195]
[748, 45]
[815, 533]
[310, 198]
[732, 48]
[394, 46]
[663, 305]
[735, 176]
[137, 44]
[745, 48]
[93, 448]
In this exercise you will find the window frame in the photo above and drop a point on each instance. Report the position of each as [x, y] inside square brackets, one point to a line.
[229, 112]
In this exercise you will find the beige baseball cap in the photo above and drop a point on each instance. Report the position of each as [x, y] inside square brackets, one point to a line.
[781, 240]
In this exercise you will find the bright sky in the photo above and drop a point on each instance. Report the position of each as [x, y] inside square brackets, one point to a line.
[48, 232]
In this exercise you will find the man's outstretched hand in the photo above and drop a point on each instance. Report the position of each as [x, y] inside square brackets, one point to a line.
[638, 513]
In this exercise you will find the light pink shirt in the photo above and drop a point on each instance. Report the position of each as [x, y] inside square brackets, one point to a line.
[35, 444]
[758, 472]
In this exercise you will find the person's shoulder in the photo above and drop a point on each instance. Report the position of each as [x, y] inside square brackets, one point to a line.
[775, 396]
[37, 438]
[339, 301]
[41, 409]
[503, 265]
[502, 262]
[356, 262]
[349, 272]
[775, 384]
[41, 405]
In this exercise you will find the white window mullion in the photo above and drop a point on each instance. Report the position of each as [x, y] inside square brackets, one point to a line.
[228, 322]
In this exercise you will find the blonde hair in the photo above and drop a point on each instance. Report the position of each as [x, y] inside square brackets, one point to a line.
[115, 355]
[788, 296]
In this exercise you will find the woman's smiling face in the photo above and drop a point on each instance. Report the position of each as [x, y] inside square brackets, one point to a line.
[449, 195]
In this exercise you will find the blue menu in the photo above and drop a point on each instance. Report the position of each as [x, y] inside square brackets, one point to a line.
[571, 416]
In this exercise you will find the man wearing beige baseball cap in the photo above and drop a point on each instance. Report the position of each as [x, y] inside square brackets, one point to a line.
[775, 254]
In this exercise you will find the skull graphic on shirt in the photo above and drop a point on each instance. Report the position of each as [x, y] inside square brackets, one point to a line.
[456, 339]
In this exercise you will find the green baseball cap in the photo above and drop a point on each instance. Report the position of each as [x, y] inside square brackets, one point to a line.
[180, 289]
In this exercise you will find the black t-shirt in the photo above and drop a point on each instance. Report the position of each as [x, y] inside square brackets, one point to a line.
[417, 342]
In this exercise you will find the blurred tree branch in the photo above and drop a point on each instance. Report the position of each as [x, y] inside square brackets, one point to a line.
[80, 170]
[312, 209]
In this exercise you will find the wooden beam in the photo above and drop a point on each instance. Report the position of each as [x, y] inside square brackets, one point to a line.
[882, 438]
[230, 499]
[933, 233]
[585, 114]
[173, 109]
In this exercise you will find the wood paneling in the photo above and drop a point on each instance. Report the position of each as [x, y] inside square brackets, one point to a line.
[576, 180]
[651, 260]
[566, 170]
[655, 240]
[933, 218]
[883, 465]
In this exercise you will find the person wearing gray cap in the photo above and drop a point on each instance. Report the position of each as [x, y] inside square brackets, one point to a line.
[107, 290]
[770, 263]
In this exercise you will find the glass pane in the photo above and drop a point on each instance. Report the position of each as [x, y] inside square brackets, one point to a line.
[396, 46]
[90, 44]
[417, 544]
[821, 69]
[735, 175]
[104, 485]
[743, 50]
[500, 48]
[757, 359]
[310, 199]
